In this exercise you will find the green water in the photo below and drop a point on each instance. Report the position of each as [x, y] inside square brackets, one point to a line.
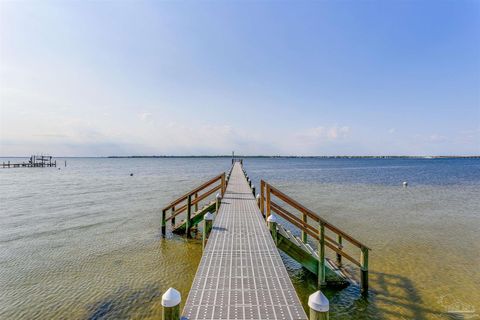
[84, 242]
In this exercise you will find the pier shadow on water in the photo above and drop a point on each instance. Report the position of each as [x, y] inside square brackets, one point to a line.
[390, 297]
[127, 303]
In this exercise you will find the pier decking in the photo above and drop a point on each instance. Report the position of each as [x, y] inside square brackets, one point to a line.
[241, 274]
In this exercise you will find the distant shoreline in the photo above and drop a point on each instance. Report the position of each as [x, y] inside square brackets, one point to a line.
[309, 157]
[260, 157]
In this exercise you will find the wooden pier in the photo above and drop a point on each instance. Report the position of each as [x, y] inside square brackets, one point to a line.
[33, 162]
[241, 274]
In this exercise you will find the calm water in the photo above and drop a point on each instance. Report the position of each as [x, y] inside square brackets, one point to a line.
[83, 242]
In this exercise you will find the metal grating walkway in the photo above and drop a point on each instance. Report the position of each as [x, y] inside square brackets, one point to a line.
[241, 274]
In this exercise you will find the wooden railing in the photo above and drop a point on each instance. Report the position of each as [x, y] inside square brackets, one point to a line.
[311, 224]
[192, 199]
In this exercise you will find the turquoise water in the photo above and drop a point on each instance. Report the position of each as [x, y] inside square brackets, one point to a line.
[83, 242]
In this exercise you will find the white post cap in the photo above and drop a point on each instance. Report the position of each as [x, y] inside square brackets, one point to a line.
[171, 298]
[258, 196]
[218, 196]
[318, 302]
[272, 218]
[253, 186]
[208, 216]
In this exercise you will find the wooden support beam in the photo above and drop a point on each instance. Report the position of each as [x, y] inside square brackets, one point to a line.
[164, 222]
[321, 256]
[189, 215]
[339, 256]
[364, 270]
[268, 203]
[304, 233]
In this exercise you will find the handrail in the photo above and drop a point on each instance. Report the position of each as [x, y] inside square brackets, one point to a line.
[192, 198]
[194, 202]
[317, 231]
[196, 190]
[315, 217]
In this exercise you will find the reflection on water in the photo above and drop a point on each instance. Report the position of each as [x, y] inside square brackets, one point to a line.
[83, 242]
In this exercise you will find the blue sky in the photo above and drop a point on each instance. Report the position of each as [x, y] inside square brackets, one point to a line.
[258, 77]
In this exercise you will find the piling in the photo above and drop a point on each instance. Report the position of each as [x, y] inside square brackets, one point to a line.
[272, 223]
[218, 202]
[171, 304]
[207, 227]
[189, 215]
[258, 201]
[319, 306]
[364, 270]
[164, 222]
[253, 189]
[339, 256]
[321, 255]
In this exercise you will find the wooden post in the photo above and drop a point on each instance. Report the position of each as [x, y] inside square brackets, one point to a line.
[321, 255]
[207, 227]
[196, 203]
[189, 215]
[173, 217]
[218, 202]
[339, 256]
[272, 223]
[253, 189]
[268, 203]
[304, 233]
[164, 222]
[171, 304]
[364, 270]
[223, 184]
[319, 306]
[258, 201]
[262, 196]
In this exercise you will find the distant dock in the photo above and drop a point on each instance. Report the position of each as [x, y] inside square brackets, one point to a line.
[33, 162]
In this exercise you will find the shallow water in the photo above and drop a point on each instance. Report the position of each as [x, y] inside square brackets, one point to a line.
[84, 242]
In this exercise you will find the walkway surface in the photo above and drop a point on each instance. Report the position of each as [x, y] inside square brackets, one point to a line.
[241, 274]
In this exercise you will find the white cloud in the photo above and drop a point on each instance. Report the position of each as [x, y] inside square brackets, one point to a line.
[145, 116]
[323, 134]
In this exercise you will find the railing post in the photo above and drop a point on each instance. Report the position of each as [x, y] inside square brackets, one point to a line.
[364, 269]
[173, 216]
[319, 306]
[272, 223]
[207, 227]
[223, 184]
[253, 189]
[304, 233]
[258, 201]
[321, 255]
[171, 304]
[189, 215]
[268, 203]
[339, 256]
[262, 197]
[218, 199]
[196, 203]
[164, 222]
